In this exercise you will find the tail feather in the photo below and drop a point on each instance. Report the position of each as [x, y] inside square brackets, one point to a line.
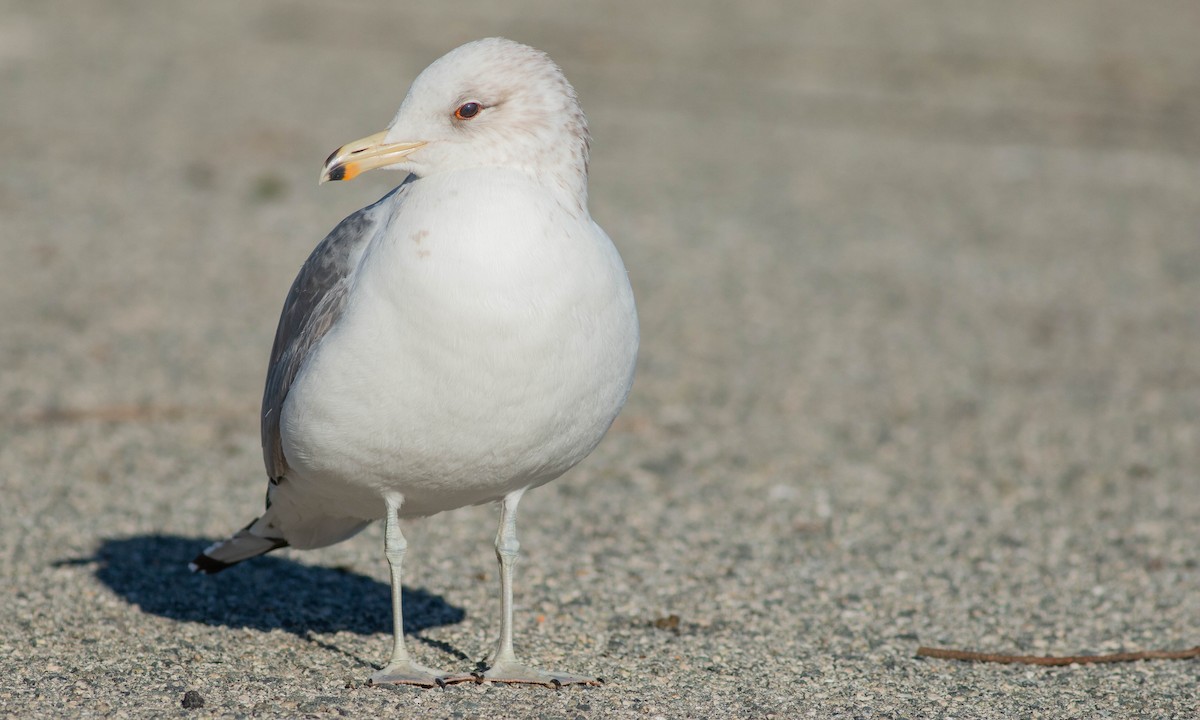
[245, 544]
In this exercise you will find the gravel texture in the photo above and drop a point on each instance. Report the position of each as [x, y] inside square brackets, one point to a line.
[920, 299]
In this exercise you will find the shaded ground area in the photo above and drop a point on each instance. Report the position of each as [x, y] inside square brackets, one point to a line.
[270, 593]
[920, 297]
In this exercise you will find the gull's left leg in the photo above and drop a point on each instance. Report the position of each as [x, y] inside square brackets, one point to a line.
[504, 666]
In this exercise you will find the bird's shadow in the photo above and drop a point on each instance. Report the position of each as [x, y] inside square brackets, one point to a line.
[265, 593]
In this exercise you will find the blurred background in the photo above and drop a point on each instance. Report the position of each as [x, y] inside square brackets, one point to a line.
[919, 285]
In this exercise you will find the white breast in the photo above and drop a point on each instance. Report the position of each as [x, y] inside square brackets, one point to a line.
[487, 345]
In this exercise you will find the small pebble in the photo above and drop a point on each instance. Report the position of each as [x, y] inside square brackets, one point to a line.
[192, 700]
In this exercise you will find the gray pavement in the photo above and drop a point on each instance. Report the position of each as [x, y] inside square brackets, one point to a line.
[920, 294]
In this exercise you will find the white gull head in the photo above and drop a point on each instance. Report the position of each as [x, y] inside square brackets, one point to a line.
[489, 103]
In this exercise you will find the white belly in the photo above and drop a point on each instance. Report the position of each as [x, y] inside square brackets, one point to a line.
[475, 357]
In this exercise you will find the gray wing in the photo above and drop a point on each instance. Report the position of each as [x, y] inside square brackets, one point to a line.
[314, 304]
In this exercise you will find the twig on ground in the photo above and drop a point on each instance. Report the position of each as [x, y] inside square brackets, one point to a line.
[970, 656]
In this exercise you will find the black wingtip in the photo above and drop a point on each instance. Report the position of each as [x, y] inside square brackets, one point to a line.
[205, 565]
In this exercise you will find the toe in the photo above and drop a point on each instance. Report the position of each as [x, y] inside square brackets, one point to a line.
[517, 673]
[409, 674]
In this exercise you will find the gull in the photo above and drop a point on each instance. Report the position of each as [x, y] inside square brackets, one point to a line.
[468, 337]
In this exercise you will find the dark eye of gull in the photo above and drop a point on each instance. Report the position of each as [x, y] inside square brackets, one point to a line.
[466, 111]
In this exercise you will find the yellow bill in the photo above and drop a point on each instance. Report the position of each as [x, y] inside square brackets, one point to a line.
[353, 159]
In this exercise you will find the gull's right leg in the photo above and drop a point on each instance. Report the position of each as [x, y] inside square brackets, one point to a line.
[400, 670]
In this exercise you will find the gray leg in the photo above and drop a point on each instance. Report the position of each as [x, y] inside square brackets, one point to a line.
[504, 666]
[400, 669]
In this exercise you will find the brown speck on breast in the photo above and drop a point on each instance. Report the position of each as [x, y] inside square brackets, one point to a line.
[420, 235]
